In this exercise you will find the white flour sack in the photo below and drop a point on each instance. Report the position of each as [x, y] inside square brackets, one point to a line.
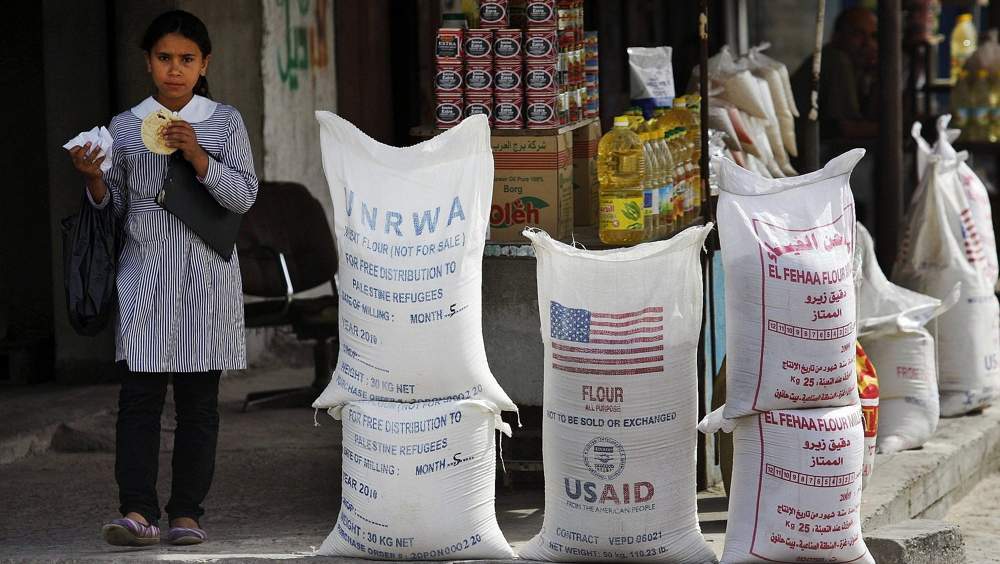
[942, 248]
[796, 487]
[620, 329]
[410, 225]
[418, 482]
[891, 328]
[787, 247]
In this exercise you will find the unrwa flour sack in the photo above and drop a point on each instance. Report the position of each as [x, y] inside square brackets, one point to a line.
[620, 329]
[410, 225]
[787, 247]
[942, 248]
[891, 327]
[796, 486]
[418, 482]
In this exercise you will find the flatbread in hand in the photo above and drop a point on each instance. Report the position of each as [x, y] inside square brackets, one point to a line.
[152, 131]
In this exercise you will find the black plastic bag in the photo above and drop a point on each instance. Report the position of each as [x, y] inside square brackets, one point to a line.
[90, 266]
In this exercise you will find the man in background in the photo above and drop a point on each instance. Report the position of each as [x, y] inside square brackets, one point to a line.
[848, 78]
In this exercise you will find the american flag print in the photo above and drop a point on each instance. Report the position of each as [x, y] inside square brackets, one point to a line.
[607, 344]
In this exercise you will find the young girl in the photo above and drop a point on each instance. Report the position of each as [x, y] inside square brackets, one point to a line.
[180, 303]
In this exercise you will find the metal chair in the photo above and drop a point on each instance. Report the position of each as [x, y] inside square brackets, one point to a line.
[286, 247]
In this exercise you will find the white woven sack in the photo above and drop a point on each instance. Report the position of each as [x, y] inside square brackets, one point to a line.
[620, 329]
[941, 248]
[787, 247]
[891, 328]
[410, 226]
[796, 486]
[975, 193]
[418, 482]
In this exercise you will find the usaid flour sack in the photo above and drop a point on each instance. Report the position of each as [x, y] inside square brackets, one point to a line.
[410, 225]
[942, 248]
[418, 482]
[975, 192]
[891, 327]
[787, 247]
[796, 486]
[620, 329]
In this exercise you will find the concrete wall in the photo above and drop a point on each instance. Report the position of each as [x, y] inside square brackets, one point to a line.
[76, 97]
[299, 77]
[25, 277]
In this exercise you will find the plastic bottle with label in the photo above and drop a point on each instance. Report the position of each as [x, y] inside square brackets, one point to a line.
[994, 129]
[963, 43]
[693, 108]
[979, 124]
[621, 168]
[667, 186]
[650, 193]
[677, 149]
[960, 109]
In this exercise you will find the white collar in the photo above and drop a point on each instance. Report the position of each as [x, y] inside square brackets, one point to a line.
[196, 110]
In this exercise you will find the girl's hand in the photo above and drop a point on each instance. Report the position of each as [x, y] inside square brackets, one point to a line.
[87, 161]
[180, 135]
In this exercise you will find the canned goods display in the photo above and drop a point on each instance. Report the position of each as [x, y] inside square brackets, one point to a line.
[508, 78]
[448, 78]
[475, 105]
[508, 112]
[448, 46]
[541, 45]
[540, 13]
[478, 45]
[541, 112]
[541, 79]
[448, 111]
[507, 44]
[528, 63]
[493, 14]
[479, 77]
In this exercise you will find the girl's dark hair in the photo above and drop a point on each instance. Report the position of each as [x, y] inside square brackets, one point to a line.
[187, 25]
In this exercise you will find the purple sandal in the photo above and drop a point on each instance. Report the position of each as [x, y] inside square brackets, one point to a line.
[129, 532]
[183, 536]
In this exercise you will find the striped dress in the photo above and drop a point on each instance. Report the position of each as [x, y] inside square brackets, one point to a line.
[180, 303]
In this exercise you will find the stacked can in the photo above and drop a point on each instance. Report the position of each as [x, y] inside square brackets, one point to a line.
[542, 65]
[494, 14]
[572, 51]
[508, 79]
[449, 78]
[590, 76]
[540, 78]
[478, 50]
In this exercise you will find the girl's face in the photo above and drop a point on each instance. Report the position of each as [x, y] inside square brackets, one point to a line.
[175, 63]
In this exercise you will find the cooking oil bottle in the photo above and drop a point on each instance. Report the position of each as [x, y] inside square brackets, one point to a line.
[680, 176]
[980, 123]
[693, 107]
[666, 187]
[650, 192]
[963, 43]
[621, 168]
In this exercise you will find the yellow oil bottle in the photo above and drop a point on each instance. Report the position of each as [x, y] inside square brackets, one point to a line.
[621, 169]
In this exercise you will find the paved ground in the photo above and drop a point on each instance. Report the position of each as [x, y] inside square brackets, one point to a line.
[978, 515]
[276, 492]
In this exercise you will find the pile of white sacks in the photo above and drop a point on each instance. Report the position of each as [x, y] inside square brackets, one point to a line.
[418, 402]
[751, 101]
[792, 397]
[421, 408]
